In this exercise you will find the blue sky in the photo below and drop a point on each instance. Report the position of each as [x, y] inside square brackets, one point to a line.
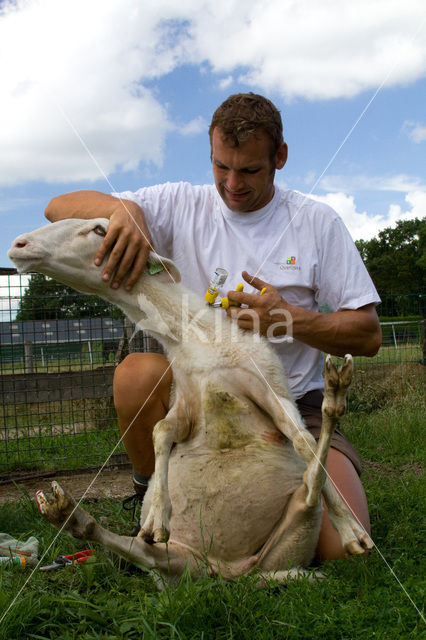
[121, 92]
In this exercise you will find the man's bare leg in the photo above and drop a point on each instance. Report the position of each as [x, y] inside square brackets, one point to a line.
[142, 385]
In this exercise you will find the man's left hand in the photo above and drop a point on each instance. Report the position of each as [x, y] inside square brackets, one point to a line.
[263, 311]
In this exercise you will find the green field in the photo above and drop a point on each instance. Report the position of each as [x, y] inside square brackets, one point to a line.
[379, 596]
[57, 435]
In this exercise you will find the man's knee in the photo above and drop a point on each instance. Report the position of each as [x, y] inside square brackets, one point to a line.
[141, 377]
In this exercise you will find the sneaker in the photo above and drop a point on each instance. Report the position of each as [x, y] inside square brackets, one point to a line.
[132, 502]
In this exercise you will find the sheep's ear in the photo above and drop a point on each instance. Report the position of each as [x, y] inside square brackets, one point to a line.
[162, 268]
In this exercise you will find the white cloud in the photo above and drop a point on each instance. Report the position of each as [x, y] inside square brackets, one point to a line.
[416, 131]
[363, 226]
[72, 66]
[226, 82]
[401, 183]
[70, 73]
[197, 125]
[313, 49]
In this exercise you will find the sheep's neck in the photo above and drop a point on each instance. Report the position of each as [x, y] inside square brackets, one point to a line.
[168, 311]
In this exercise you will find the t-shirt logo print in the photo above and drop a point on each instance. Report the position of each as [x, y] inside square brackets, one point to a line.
[289, 264]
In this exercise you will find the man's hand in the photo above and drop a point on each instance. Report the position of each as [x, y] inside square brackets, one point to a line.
[355, 331]
[129, 243]
[267, 314]
[128, 239]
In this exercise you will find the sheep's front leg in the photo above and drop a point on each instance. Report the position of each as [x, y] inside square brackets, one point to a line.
[336, 382]
[296, 535]
[172, 429]
[287, 420]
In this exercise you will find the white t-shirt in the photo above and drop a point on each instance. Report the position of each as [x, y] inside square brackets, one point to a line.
[296, 244]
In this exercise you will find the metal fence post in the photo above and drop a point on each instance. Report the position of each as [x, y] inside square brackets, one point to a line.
[28, 357]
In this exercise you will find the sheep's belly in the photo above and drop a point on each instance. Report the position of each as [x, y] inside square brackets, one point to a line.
[227, 503]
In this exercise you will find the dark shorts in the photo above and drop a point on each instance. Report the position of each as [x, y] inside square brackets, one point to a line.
[310, 410]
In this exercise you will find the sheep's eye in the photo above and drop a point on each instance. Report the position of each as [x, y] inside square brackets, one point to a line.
[99, 230]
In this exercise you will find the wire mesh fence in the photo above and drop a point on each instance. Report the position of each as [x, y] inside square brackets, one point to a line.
[58, 353]
[56, 377]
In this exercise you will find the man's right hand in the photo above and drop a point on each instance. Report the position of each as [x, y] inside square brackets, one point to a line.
[128, 243]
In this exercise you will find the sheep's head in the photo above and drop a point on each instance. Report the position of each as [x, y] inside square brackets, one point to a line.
[65, 251]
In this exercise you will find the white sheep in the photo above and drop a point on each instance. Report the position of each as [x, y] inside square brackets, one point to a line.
[222, 498]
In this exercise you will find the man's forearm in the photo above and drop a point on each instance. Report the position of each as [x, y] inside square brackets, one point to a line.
[350, 331]
[84, 204]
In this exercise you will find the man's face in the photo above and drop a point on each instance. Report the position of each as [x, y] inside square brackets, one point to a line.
[244, 175]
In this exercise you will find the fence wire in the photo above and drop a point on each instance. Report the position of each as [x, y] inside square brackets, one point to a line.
[56, 372]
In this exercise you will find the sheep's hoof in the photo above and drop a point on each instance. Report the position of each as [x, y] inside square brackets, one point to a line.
[160, 534]
[62, 511]
[357, 547]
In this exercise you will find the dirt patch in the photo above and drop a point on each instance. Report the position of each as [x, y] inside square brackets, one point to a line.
[374, 469]
[111, 483]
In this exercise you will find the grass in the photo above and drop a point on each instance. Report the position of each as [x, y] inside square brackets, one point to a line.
[390, 354]
[61, 451]
[57, 435]
[360, 598]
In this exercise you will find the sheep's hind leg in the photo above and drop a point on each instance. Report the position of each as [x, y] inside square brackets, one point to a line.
[62, 511]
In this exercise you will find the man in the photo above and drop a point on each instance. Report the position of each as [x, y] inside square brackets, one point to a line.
[300, 248]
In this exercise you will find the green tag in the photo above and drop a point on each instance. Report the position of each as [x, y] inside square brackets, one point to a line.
[154, 268]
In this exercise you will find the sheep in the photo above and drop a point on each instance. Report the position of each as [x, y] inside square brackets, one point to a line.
[206, 508]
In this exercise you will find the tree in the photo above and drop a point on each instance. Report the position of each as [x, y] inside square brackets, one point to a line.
[46, 299]
[396, 259]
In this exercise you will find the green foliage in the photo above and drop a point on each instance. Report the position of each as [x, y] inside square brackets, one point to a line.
[400, 318]
[46, 299]
[396, 259]
[401, 306]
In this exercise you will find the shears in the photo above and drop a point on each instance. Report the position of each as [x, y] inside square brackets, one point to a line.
[73, 558]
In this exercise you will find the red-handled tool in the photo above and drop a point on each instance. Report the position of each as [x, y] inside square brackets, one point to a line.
[73, 558]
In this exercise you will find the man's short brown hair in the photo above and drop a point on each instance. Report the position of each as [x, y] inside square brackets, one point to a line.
[245, 114]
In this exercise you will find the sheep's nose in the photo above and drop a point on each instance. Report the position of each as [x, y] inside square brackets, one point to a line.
[20, 244]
